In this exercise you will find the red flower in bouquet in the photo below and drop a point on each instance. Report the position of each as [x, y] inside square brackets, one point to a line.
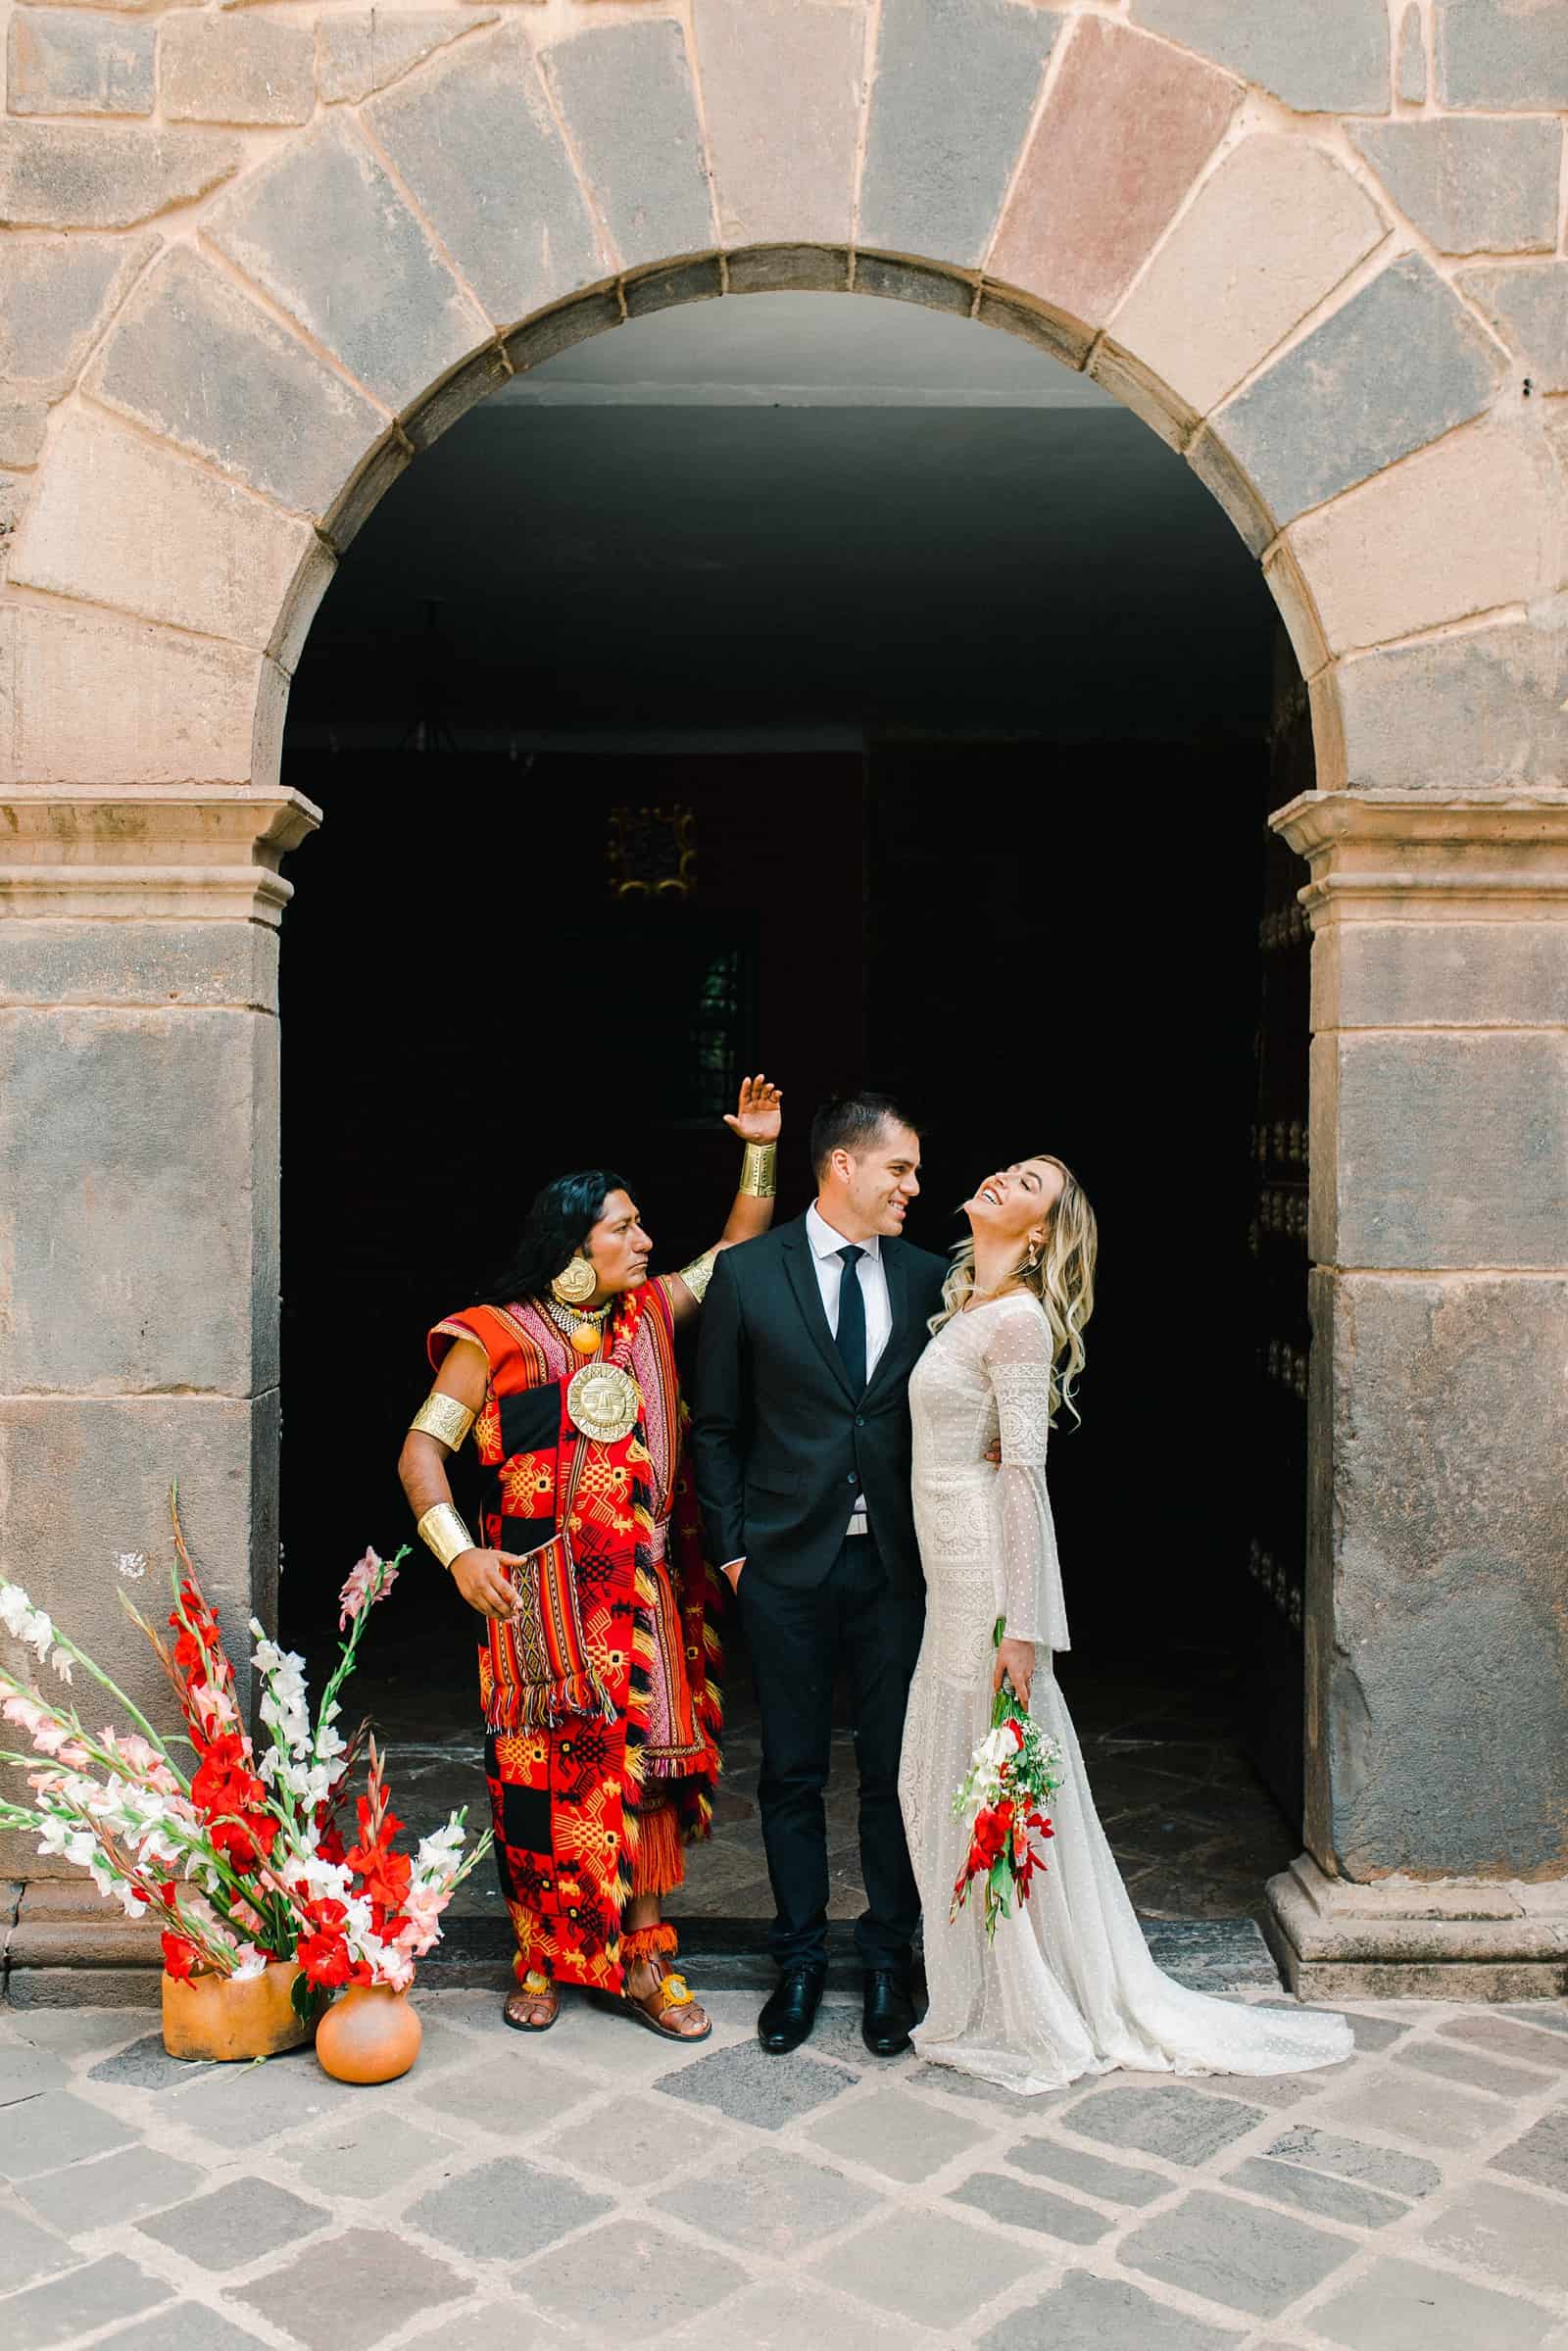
[233, 1802]
[180, 1958]
[1013, 1772]
[384, 1875]
[330, 1841]
[324, 1954]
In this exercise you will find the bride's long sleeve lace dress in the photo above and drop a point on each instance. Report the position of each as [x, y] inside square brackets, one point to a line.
[1068, 1986]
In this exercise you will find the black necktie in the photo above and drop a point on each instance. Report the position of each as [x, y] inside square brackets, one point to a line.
[851, 1319]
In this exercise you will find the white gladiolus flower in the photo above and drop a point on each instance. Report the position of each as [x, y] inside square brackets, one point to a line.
[438, 1852]
[358, 1922]
[284, 1709]
[14, 1609]
[24, 1622]
[56, 1837]
[61, 1661]
[322, 1878]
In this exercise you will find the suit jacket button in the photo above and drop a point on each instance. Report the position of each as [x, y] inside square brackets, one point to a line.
[860, 1423]
[851, 1479]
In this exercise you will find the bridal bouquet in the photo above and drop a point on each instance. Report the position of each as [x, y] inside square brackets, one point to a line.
[1012, 1776]
[245, 1858]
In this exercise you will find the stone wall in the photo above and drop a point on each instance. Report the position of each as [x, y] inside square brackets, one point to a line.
[254, 257]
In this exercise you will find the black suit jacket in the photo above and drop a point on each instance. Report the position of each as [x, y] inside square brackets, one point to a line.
[781, 1447]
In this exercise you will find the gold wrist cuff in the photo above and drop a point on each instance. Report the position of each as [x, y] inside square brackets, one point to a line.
[700, 1273]
[445, 1534]
[444, 1418]
[758, 1170]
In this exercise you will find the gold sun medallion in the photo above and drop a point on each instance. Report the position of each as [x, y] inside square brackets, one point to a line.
[604, 1402]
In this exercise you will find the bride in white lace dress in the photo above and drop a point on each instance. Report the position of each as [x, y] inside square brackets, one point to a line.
[1068, 1986]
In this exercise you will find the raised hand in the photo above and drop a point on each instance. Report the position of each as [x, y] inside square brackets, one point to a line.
[759, 1114]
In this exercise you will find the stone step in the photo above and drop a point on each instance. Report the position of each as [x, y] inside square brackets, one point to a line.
[1205, 1954]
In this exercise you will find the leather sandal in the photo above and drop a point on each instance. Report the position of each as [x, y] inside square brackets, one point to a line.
[652, 2009]
[534, 1991]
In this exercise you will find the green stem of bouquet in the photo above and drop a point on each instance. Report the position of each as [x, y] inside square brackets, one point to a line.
[135, 1713]
[1004, 1706]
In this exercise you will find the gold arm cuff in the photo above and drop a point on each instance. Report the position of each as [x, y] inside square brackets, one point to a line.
[445, 1534]
[444, 1418]
[760, 1170]
[700, 1273]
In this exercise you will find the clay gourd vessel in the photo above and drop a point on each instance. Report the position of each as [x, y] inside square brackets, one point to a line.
[370, 2034]
[217, 2017]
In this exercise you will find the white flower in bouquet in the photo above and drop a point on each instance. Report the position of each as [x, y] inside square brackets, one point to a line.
[24, 1622]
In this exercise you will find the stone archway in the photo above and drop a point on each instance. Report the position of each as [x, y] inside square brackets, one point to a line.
[1261, 237]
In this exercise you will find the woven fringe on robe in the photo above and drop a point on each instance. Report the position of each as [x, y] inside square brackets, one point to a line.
[565, 1799]
[658, 1863]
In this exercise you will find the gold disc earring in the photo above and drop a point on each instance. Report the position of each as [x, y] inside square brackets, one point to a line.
[575, 1283]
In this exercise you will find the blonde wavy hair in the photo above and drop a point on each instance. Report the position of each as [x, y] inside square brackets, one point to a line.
[1061, 1278]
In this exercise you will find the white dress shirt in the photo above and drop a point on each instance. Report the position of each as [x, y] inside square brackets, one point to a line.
[873, 1279]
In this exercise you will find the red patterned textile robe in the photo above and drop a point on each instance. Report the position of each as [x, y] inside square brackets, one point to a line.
[577, 1809]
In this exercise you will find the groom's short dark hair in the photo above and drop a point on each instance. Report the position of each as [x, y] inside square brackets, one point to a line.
[851, 1122]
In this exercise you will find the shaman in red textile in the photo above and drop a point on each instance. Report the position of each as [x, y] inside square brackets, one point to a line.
[565, 1801]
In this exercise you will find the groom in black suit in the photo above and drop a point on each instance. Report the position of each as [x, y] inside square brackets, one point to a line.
[802, 1452]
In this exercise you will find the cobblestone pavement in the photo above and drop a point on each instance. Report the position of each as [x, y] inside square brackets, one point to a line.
[600, 2186]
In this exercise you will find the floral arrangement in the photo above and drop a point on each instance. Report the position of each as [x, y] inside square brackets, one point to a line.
[1012, 1776]
[246, 1859]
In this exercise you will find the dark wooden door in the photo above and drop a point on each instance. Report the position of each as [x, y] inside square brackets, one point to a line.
[1273, 1595]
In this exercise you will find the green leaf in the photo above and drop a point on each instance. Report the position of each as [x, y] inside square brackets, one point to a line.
[997, 1631]
[309, 2001]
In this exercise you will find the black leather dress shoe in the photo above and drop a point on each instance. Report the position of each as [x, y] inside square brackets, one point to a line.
[889, 2015]
[789, 2012]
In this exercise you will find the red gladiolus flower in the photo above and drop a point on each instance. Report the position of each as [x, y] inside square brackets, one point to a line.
[330, 1844]
[180, 1957]
[326, 1960]
[324, 1955]
[385, 1877]
[232, 1801]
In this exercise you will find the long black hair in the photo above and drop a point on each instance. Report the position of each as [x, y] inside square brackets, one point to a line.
[558, 1225]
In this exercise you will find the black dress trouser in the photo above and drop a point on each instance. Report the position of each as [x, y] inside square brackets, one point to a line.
[857, 1616]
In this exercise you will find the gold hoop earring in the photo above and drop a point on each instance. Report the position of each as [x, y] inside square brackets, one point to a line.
[575, 1283]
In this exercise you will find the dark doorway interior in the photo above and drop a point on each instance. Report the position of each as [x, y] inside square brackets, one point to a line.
[989, 931]
[964, 682]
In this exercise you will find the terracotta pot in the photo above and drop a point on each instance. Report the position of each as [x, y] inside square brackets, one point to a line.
[370, 2034]
[215, 2017]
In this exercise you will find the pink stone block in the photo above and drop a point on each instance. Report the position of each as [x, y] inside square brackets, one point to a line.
[1124, 133]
